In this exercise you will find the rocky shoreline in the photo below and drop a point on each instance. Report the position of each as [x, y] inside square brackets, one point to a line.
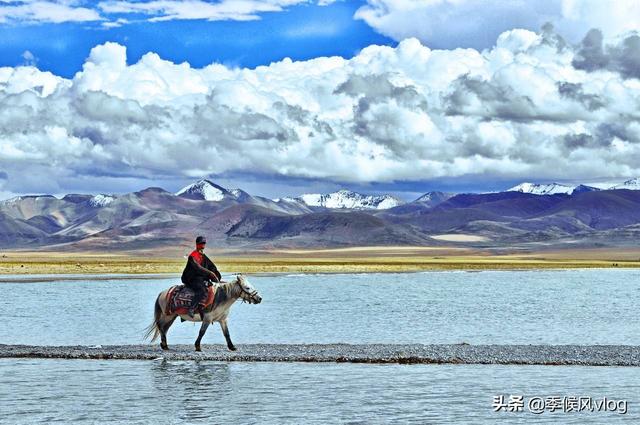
[583, 355]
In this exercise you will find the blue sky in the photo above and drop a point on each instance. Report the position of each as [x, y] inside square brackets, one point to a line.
[302, 32]
[466, 95]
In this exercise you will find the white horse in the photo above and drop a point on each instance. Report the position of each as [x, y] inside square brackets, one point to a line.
[226, 294]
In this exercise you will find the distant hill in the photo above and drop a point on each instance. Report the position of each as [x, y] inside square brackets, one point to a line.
[154, 217]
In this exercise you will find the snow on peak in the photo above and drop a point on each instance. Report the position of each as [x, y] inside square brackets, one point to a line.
[203, 189]
[388, 202]
[240, 195]
[101, 200]
[10, 201]
[348, 199]
[425, 198]
[542, 189]
[553, 188]
[632, 184]
[435, 196]
[18, 199]
[287, 199]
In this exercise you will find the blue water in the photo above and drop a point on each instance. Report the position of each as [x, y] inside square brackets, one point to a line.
[502, 307]
[511, 307]
[168, 392]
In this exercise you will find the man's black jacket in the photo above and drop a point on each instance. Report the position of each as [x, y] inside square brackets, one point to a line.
[194, 272]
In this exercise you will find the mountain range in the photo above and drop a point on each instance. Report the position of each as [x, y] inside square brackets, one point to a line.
[527, 215]
[554, 188]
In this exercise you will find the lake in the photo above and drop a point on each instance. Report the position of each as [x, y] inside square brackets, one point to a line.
[163, 392]
[489, 307]
[501, 307]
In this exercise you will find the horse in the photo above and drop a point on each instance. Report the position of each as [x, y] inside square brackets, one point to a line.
[226, 294]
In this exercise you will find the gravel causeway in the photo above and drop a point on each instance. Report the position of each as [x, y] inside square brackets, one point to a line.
[586, 355]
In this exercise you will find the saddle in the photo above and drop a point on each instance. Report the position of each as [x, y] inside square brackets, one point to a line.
[180, 298]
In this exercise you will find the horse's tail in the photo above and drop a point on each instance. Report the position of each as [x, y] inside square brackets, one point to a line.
[152, 331]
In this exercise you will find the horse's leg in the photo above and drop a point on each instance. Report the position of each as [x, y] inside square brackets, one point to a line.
[203, 329]
[163, 326]
[225, 331]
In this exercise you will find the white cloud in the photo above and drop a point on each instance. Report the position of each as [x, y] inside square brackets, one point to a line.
[315, 29]
[531, 106]
[28, 78]
[29, 58]
[115, 24]
[166, 10]
[612, 17]
[476, 23]
[113, 13]
[45, 12]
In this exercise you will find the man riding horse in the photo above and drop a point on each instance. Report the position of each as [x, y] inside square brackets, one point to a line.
[197, 272]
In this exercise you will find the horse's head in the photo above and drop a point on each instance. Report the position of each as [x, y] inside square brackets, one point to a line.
[247, 292]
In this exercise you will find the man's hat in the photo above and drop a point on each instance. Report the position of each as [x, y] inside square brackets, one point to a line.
[201, 240]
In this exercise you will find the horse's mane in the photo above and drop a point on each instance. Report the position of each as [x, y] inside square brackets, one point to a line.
[227, 287]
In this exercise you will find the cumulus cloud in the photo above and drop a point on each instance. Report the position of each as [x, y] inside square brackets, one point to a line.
[528, 107]
[476, 23]
[623, 56]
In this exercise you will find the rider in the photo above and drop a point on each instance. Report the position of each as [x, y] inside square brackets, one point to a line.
[198, 270]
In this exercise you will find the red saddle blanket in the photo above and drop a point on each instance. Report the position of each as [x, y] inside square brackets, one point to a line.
[180, 298]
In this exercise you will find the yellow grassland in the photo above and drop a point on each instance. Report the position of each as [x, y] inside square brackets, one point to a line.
[344, 260]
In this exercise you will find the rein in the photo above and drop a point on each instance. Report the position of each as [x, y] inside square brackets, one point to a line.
[244, 291]
[227, 287]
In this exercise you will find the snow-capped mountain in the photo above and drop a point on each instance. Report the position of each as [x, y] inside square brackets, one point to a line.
[156, 219]
[553, 188]
[101, 200]
[13, 200]
[342, 199]
[434, 198]
[19, 199]
[542, 189]
[241, 195]
[347, 199]
[632, 184]
[204, 190]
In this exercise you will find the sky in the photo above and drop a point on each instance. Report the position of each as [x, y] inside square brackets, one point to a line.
[284, 97]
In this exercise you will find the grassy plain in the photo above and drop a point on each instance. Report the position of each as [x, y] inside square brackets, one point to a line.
[344, 260]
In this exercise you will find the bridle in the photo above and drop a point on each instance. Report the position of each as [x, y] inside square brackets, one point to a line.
[251, 295]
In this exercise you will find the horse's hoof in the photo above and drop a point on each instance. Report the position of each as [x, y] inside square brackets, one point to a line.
[198, 349]
[232, 348]
[164, 347]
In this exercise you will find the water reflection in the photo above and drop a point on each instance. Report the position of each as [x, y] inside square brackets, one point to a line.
[196, 388]
[191, 373]
[167, 392]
